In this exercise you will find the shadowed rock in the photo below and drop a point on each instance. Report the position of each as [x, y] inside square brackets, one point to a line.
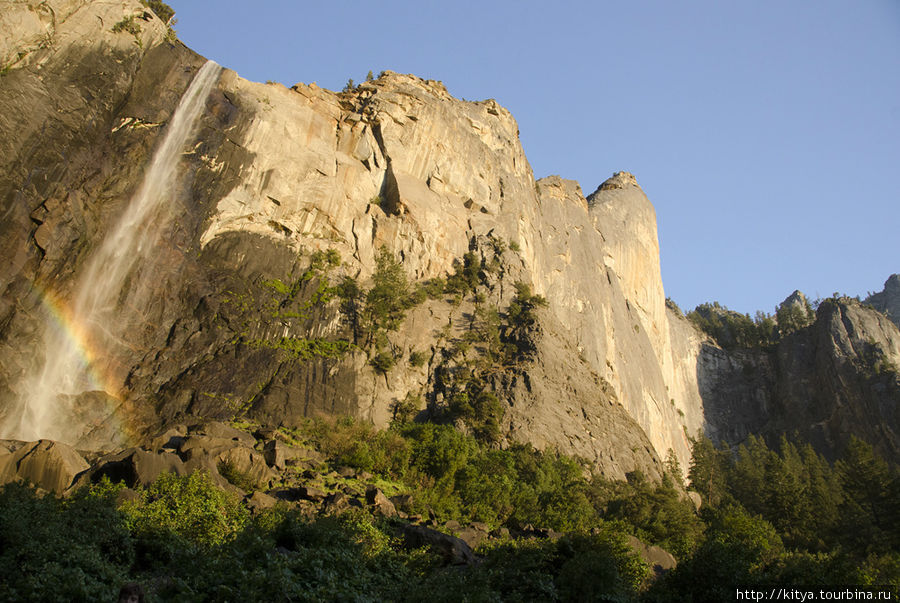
[380, 504]
[659, 560]
[454, 550]
[137, 467]
[49, 465]
[246, 463]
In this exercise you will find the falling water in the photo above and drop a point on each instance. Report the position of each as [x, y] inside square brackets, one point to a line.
[96, 317]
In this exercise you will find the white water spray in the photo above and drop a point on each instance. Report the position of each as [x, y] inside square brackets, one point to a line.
[103, 301]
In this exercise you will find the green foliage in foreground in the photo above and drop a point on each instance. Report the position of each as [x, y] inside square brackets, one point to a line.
[54, 550]
[170, 541]
[781, 516]
[190, 508]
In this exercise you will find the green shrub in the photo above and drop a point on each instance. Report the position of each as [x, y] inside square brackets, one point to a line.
[129, 25]
[388, 299]
[55, 550]
[434, 288]
[236, 477]
[384, 452]
[162, 10]
[479, 409]
[417, 358]
[382, 362]
[521, 312]
[403, 411]
[656, 513]
[190, 507]
[466, 275]
[599, 567]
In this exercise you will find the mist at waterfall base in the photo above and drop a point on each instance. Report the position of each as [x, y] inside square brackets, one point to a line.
[82, 337]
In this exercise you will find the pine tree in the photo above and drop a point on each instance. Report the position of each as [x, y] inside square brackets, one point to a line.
[708, 471]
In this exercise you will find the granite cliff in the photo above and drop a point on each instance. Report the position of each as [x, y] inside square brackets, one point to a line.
[887, 301]
[822, 383]
[233, 311]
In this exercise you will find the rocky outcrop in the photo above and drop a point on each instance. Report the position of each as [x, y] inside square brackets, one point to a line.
[887, 301]
[821, 384]
[558, 400]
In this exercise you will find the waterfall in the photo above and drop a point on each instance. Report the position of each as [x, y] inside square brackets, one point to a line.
[108, 296]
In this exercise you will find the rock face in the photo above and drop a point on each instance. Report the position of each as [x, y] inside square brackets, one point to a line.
[835, 378]
[240, 324]
[887, 301]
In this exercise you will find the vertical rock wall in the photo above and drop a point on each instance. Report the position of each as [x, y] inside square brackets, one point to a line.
[278, 173]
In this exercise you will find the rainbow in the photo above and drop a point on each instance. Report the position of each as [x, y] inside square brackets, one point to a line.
[67, 325]
[67, 330]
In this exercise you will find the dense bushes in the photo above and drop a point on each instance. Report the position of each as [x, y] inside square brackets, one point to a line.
[457, 478]
[597, 567]
[190, 508]
[781, 516]
[169, 540]
[53, 550]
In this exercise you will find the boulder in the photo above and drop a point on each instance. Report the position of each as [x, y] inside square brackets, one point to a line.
[474, 535]
[696, 499]
[659, 559]
[278, 454]
[247, 465]
[403, 502]
[260, 501]
[171, 438]
[274, 454]
[204, 446]
[137, 467]
[380, 504]
[454, 550]
[49, 465]
[311, 493]
[337, 502]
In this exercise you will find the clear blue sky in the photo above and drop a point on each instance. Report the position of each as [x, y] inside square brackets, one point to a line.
[766, 133]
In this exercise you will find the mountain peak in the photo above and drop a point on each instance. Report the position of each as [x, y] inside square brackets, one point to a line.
[619, 180]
